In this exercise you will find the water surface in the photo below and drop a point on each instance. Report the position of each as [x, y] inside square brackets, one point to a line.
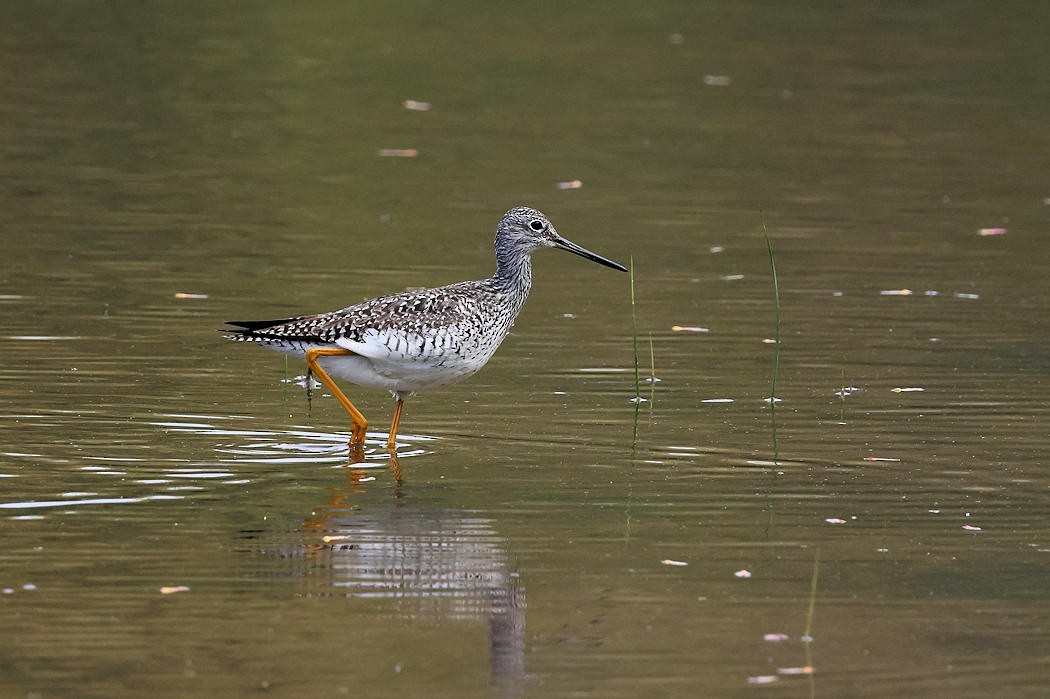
[177, 520]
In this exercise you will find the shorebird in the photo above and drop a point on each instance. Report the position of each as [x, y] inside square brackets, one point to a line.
[409, 342]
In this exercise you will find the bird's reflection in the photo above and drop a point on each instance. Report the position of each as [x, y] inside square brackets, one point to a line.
[438, 563]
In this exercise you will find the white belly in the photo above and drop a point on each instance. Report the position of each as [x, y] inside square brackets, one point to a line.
[401, 373]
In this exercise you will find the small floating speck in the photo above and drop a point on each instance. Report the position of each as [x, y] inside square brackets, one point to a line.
[172, 589]
[334, 537]
[805, 670]
[717, 400]
[416, 106]
[972, 297]
[186, 295]
[570, 184]
[768, 341]
[689, 329]
[930, 292]
[775, 637]
[732, 277]
[718, 80]
[29, 587]
[880, 458]
[909, 389]
[896, 292]
[762, 679]
[398, 152]
[742, 574]
[717, 248]
[836, 293]
[971, 528]
[934, 512]
[672, 562]
[676, 39]
[991, 231]
[835, 520]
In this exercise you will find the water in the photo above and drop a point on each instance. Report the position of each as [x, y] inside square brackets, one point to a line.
[176, 520]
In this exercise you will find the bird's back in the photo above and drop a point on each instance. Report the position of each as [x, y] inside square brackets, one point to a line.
[445, 334]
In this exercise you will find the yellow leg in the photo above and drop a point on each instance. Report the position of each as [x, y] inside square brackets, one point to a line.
[391, 443]
[358, 423]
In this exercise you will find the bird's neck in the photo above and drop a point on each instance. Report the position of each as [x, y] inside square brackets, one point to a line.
[514, 273]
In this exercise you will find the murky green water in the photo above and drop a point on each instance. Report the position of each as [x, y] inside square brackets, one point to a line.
[535, 546]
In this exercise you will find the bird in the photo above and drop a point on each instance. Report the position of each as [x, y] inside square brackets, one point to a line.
[420, 339]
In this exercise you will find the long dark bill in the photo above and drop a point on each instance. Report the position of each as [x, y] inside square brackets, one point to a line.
[575, 249]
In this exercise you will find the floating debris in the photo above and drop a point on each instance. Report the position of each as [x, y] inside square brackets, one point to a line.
[171, 590]
[991, 231]
[768, 341]
[732, 277]
[908, 389]
[416, 106]
[805, 670]
[184, 295]
[398, 152]
[930, 292]
[717, 248]
[718, 80]
[671, 562]
[973, 297]
[570, 184]
[689, 329]
[895, 292]
[775, 637]
[879, 458]
[763, 679]
[971, 528]
[743, 574]
[835, 520]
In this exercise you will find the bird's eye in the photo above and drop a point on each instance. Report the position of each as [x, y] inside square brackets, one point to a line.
[536, 225]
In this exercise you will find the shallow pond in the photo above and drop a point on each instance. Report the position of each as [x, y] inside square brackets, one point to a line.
[177, 520]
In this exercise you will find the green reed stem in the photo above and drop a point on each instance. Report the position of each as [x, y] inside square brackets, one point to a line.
[776, 295]
[776, 348]
[634, 334]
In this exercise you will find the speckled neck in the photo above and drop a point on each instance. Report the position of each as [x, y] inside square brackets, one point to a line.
[513, 271]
